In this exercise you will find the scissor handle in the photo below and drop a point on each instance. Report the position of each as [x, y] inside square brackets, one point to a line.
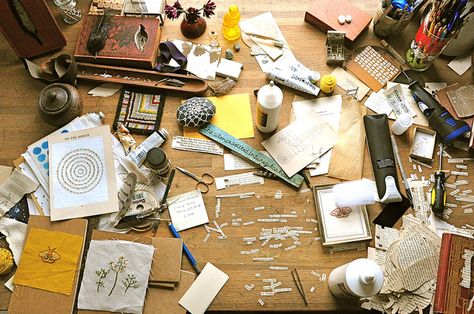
[202, 186]
[207, 178]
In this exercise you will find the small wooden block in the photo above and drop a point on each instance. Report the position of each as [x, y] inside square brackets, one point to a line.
[229, 68]
[324, 14]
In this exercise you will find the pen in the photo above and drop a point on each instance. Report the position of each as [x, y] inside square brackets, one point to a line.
[185, 248]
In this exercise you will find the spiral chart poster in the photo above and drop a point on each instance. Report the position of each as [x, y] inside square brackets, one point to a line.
[82, 175]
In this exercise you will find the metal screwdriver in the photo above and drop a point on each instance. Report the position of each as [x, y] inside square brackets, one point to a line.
[438, 193]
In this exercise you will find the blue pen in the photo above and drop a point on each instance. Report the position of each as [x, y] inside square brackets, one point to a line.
[185, 248]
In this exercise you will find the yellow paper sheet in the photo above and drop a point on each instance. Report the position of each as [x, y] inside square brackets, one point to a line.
[49, 261]
[233, 115]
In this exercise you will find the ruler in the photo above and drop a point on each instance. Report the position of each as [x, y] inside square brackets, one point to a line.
[248, 152]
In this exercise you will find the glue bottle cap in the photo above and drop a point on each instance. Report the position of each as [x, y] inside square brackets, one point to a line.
[367, 277]
[270, 95]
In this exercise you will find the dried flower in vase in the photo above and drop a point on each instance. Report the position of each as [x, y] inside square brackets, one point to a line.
[191, 14]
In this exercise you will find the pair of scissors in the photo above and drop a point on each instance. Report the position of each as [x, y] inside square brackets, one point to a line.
[203, 182]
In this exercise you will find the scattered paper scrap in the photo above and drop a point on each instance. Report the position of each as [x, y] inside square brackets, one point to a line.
[196, 145]
[461, 64]
[238, 179]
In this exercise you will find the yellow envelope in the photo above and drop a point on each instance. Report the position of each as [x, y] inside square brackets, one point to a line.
[49, 261]
[233, 115]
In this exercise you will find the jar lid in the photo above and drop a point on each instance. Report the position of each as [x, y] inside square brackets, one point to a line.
[156, 158]
[54, 98]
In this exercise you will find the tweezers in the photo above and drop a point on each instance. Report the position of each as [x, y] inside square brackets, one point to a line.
[299, 285]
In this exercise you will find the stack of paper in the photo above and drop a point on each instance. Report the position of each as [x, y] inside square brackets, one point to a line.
[410, 263]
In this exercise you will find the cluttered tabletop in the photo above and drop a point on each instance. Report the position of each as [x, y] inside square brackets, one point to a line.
[218, 156]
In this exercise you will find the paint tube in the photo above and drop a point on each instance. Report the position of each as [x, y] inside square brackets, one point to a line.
[293, 74]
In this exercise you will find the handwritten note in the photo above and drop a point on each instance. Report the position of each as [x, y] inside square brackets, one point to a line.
[187, 210]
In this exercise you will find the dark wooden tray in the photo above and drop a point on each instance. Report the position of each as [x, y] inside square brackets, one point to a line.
[137, 77]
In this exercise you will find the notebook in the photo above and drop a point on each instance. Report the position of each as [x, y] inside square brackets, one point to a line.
[30, 300]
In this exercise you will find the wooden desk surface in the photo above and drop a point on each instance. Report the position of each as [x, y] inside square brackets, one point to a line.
[20, 125]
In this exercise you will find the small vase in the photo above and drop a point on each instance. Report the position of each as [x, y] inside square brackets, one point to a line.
[193, 30]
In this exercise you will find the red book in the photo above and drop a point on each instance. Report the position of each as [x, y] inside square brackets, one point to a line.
[120, 47]
[453, 294]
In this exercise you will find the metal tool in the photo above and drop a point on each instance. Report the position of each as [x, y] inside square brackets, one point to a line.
[148, 219]
[203, 181]
[299, 285]
[438, 117]
[438, 193]
[402, 171]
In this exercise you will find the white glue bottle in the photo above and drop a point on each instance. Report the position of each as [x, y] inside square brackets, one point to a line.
[360, 278]
[269, 99]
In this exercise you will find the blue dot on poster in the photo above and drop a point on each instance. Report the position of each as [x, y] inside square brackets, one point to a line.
[42, 157]
[44, 145]
[64, 131]
[36, 150]
[46, 165]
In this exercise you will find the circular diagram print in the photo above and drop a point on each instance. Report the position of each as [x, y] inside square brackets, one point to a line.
[80, 171]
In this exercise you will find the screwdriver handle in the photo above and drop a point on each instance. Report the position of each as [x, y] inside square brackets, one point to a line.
[438, 193]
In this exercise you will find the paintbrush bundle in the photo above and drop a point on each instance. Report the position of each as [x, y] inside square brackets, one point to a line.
[119, 40]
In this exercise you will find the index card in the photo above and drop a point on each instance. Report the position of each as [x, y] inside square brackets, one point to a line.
[204, 289]
[187, 210]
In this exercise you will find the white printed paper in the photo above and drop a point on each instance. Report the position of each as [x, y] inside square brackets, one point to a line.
[69, 191]
[196, 145]
[234, 162]
[37, 155]
[419, 117]
[187, 210]
[238, 179]
[329, 110]
[301, 142]
[82, 175]
[461, 64]
[204, 289]
[378, 103]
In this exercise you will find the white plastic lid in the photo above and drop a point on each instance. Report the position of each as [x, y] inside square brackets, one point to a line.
[405, 119]
[270, 95]
[364, 277]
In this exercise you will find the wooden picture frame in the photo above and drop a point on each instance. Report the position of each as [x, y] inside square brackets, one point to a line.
[339, 225]
[35, 34]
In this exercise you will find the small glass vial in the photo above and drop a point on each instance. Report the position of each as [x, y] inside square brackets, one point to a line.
[213, 40]
[69, 12]
[157, 162]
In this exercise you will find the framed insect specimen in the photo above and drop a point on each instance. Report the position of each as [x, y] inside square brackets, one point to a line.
[339, 225]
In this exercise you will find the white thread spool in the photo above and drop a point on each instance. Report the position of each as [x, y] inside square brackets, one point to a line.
[360, 278]
[269, 99]
[403, 122]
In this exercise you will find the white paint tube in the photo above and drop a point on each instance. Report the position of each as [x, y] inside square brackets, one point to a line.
[295, 75]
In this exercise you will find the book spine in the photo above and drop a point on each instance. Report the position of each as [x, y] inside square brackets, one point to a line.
[443, 267]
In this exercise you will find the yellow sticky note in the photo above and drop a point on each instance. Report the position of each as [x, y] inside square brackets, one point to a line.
[49, 261]
[233, 115]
